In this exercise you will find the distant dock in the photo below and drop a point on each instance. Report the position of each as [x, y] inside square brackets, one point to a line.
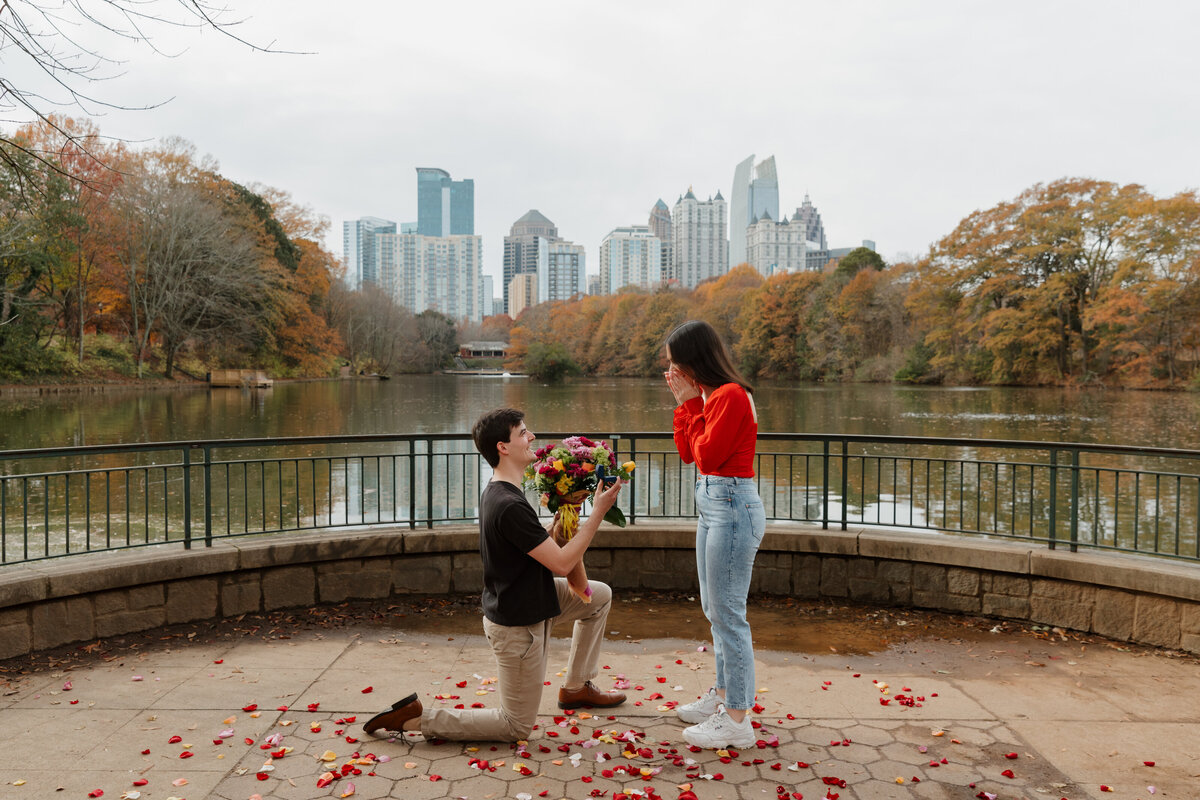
[485, 373]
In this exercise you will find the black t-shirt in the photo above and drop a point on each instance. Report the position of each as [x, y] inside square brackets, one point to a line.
[517, 590]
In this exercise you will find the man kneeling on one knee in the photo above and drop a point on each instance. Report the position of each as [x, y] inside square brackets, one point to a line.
[522, 599]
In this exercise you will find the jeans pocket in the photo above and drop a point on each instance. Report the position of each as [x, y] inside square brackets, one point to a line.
[717, 493]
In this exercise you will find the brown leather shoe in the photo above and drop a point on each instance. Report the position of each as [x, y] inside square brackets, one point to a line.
[394, 718]
[589, 696]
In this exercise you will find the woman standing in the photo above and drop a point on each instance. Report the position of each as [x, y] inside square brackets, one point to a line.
[716, 427]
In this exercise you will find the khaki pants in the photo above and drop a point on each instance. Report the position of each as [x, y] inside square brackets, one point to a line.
[521, 657]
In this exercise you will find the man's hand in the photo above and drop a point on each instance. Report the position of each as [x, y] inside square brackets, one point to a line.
[556, 529]
[606, 497]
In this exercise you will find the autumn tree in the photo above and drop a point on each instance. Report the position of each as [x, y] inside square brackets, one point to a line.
[188, 261]
[1003, 298]
[1146, 320]
[858, 259]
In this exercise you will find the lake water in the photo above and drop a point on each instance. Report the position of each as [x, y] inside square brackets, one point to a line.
[450, 404]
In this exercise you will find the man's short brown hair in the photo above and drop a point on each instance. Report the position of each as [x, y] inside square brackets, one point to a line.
[492, 428]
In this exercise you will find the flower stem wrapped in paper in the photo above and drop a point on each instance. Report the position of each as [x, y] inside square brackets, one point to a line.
[565, 474]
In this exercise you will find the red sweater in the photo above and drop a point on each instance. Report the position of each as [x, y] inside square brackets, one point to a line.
[718, 435]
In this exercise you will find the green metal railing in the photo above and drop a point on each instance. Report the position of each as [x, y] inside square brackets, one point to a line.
[62, 501]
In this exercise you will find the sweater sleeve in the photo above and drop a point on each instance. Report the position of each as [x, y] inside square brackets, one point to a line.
[708, 433]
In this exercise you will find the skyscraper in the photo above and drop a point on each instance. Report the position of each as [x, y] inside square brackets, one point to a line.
[521, 248]
[630, 256]
[700, 247]
[561, 271]
[751, 197]
[443, 273]
[522, 293]
[808, 216]
[358, 249]
[660, 226]
[444, 207]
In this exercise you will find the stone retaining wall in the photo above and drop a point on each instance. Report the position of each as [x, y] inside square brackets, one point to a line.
[81, 598]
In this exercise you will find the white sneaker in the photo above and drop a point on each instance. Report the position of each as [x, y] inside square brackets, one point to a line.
[720, 731]
[702, 709]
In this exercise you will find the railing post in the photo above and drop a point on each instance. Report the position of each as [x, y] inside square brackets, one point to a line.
[845, 480]
[1074, 501]
[412, 484]
[1052, 533]
[825, 484]
[187, 496]
[632, 484]
[208, 496]
[429, 483]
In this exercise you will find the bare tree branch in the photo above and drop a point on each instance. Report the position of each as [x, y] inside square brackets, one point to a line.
[50, 38]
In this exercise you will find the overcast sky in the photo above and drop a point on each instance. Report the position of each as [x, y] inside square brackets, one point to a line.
[897, 118]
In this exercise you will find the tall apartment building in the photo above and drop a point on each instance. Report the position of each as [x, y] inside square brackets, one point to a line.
[630, 256]
[443, 273]
[358, 249]
[561, 270]
[750, 199]
[521, 248]
[699, 243]
[444, 207]
[660, 226]
[808, 216]
[487, 297]
[774, 247]
[522, 293]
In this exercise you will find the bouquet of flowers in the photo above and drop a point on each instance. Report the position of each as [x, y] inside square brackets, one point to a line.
[566, 473]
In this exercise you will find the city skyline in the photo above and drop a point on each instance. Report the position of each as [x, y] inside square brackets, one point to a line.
[910, 116]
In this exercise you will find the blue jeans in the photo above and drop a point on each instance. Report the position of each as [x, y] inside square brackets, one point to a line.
[732, 524]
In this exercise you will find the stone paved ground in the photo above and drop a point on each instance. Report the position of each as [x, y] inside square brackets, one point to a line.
[933, 714]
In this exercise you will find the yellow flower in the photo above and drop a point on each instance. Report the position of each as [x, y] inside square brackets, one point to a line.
[558, 465]
[629, 466]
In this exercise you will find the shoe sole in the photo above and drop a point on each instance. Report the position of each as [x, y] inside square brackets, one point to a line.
[728, 743]
[367, 726]
[569, 706]
[693, 718]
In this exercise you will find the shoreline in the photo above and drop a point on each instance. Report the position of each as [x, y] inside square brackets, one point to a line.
[105, 387]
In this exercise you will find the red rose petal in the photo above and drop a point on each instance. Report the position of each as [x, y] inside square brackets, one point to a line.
[186, 754]
[146, 752]
[140, 782]
[1148, 763]
[251, 707]
[175, 740]
[1010, 755]
[1008, 773]
[368, 690]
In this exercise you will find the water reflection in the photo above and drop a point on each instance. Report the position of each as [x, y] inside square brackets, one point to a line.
[450, 404]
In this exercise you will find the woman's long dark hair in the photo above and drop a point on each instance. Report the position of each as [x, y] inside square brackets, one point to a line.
[697, 348]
